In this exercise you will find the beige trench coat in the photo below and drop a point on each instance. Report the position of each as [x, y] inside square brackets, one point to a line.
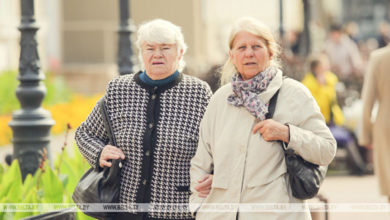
[247, 169]
[377, 88]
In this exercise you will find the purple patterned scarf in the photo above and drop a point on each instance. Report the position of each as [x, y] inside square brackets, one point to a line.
[246, 92]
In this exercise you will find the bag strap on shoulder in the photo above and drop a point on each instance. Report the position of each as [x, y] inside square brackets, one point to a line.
[107, 122]
[272, 105]
[271, 110]
[272, 102]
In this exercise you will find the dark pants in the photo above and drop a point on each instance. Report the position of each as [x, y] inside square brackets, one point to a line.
[345, 139]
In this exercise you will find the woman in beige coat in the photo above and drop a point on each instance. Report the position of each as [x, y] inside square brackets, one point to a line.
[238, 160]
[377, 88]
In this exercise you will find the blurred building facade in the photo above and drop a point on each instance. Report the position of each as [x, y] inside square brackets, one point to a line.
[9, 35]
[367, 14]
[79, 40]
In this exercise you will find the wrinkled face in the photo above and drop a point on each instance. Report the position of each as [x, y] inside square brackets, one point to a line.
[160, 60]
[249, 54]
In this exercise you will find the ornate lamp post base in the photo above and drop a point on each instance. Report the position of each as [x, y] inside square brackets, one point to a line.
[31, 134]
[31, 124]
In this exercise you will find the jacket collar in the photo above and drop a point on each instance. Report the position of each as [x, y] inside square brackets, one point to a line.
[273, 86]
[158, 89]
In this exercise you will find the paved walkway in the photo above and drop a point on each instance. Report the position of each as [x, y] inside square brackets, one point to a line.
[349, 190]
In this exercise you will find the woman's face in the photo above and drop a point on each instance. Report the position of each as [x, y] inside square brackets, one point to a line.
[249, 54]
[160, 60]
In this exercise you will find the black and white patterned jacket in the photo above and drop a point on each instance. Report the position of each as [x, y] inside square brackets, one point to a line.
[157, 129]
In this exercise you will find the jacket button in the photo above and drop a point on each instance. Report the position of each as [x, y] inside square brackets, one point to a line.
[144, 182]
[153, 97]
[150, 125]
[147, 153]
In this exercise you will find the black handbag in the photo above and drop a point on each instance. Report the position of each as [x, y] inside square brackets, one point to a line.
[305, 178]
[100, 185]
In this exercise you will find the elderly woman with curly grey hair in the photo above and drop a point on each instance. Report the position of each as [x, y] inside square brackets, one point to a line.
[155, 116]
[240, 159]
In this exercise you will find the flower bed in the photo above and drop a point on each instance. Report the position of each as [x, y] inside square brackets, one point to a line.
[64, 106]
[74, 112]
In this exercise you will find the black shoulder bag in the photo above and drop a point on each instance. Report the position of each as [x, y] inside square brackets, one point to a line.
[99, 185]
[305, 178]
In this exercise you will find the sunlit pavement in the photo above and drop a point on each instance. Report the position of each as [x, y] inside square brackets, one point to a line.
[347, 191]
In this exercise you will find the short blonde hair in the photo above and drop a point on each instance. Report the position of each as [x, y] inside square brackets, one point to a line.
[162, 32]
[256, 28]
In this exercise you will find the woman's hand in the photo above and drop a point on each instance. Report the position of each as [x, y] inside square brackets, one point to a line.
[272, 131]
[204, 185]
[110, 152]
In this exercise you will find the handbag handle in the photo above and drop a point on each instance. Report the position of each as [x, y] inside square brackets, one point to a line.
[107, 122]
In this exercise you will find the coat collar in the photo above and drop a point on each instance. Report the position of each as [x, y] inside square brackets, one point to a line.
[158, 89]
[273, 86]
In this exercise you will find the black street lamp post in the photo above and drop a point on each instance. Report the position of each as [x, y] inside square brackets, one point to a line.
[125, 62]
[31, 124]
[281, 25]
[306, 32]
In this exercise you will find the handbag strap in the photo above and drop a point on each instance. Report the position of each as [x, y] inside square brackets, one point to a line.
[107, 122]
[272, 105]
[272, 102]
[270, 114]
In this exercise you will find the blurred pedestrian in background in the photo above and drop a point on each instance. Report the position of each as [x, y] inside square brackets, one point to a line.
[155, 116]
[375, 128]
[383, 37]
[240, 156]
[344, 57]
[321, 83]
[351, 29]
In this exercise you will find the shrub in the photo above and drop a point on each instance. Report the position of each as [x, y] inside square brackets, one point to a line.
[47, 185]
[8, 85]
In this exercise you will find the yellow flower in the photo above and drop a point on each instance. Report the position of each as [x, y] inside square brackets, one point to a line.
[5, 130]
[73, 112]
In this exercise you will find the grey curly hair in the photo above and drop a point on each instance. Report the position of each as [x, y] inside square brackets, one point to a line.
[162, 32]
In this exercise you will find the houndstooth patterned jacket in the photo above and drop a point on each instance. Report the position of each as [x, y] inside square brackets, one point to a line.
[157, 129]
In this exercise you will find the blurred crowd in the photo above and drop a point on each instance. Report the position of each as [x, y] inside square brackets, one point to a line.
[334, 72]
[345, 46]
